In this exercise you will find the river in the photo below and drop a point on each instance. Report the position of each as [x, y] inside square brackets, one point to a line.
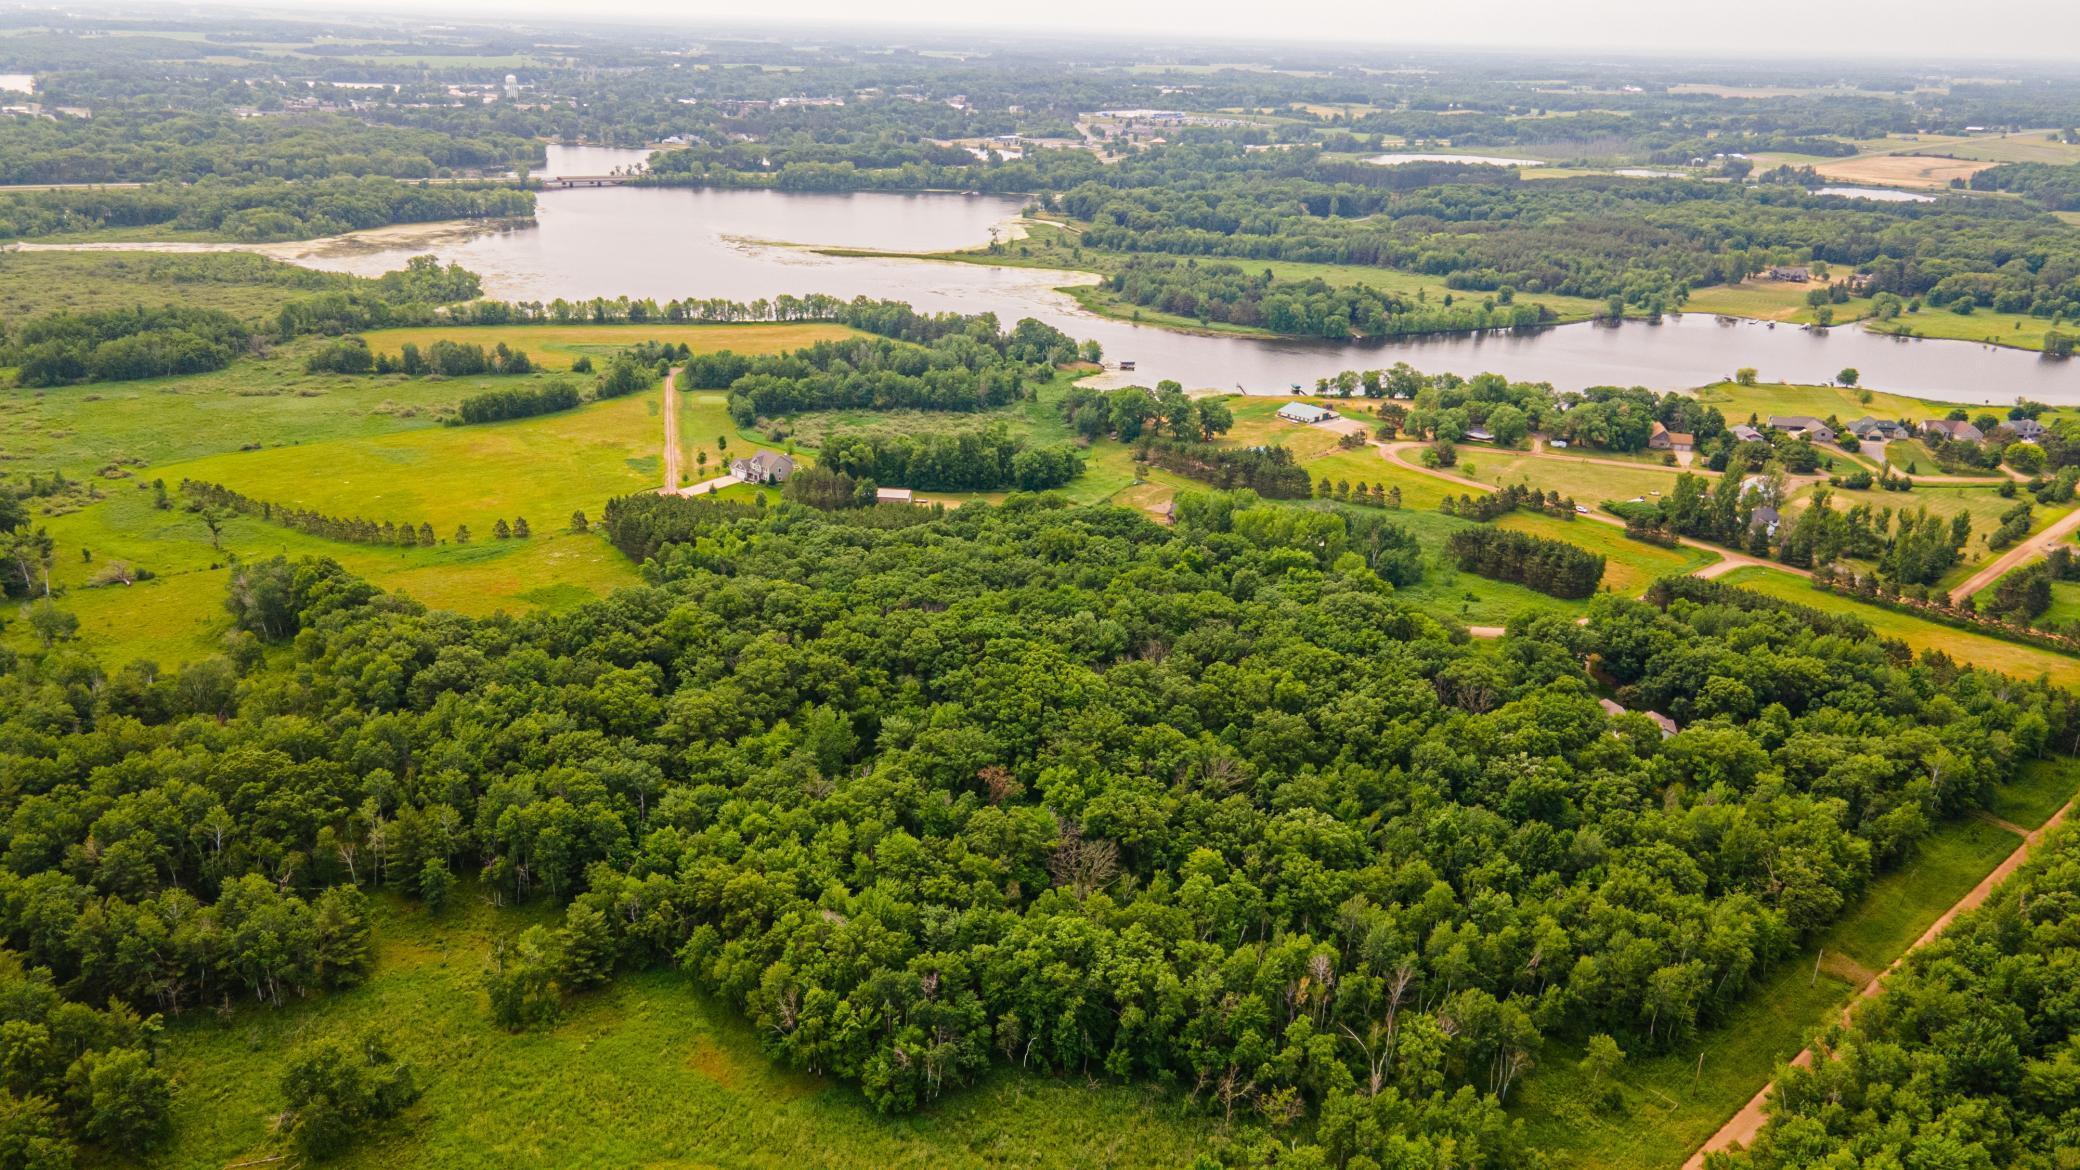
[668, 243]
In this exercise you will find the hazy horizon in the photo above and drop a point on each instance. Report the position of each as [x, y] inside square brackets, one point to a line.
[1926, 29]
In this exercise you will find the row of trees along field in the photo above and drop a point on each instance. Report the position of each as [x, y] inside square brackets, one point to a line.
[1034, 785]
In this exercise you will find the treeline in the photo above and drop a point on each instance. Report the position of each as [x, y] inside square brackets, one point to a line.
[258, 211]
[171, 143]
[61, 348]
[444, 358]
[1549, 566]
[1268, 471]
[1131, 412]
[204, 495]
[1910, 547]
[957, 372]
[1503, 501]
[1226, 294]
[1969, 1058]
[499, 405]
[934, 461]
[2053, 187]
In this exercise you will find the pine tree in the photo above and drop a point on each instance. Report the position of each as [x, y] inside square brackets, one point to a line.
[502, 530]
[462, 534]
[520, 527]
[425, 535]
[579, 523]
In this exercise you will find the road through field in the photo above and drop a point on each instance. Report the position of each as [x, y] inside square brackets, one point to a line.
[671, 430]
[2014, 558]
[1743, 1126]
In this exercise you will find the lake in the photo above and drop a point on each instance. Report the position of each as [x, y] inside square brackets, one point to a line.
[1395, 160]
[675, 242]
[1881, 194]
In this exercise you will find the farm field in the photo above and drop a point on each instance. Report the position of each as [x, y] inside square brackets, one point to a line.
[1979, 649]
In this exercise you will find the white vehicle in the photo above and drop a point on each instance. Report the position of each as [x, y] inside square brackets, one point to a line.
[1558, 444]
[1579, 508]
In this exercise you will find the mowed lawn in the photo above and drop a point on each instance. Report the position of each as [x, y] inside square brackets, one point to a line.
[556, 346]
[1629, 565]
[646, 1072]
[1770, 300]
[1977, 649]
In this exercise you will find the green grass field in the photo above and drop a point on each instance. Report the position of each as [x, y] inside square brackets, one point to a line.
[644, 1073]
[570, 342]
[245, 285]
[1770, 300]
[1978, 649]
[2017, 330]
[1629, 565]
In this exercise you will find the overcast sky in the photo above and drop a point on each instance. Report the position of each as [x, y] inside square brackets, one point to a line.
[1803, 28]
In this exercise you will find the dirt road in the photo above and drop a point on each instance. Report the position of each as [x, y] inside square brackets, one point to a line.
[2029, 549]
[1743, 1126]
[671, 431]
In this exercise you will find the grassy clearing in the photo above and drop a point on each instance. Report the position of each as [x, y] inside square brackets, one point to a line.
[1629, 565]
[248, 286]
[1978, 649]
[574, 341]
[1668, 1104]
[1769, 300]
[1586, 482]
[647, 1073]
[2043, 787]
[2015, 330]
[1847, 403]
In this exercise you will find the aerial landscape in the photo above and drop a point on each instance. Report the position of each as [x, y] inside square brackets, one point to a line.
[1128, 586]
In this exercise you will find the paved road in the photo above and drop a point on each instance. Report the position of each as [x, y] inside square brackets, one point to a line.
[2029, 549]
[1743, 1126]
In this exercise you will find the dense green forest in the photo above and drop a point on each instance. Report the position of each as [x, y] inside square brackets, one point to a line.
[258, 211]
[1049, 786]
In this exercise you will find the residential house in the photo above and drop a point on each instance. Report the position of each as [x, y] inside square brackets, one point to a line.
[2027, 429]
[1663, 439]
[1882, 430]
[1766, 518]
[1797, 272]
[1305, 412]
[1668, 726]
[1743, 433]
[764, 467]
[884, 495]
[1802, 426]
[1955, 429]
[1861, 284]
[1478, 435]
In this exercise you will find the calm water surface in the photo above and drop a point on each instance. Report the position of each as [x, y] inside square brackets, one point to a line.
[674, 242]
